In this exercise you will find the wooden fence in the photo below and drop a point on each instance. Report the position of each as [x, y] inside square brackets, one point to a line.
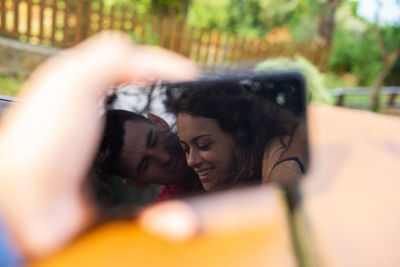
[65, 23]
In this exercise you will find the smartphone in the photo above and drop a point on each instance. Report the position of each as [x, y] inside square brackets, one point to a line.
[134, 177]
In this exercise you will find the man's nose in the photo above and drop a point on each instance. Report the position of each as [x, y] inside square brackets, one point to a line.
[193, 158]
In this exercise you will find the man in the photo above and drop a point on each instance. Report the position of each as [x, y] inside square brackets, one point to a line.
[144, 151]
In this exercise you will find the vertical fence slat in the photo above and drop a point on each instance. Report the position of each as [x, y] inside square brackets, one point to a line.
[41, 19]
[199, 44]
[88, 19]
[28, 18]
[16, 18]
[242, 54]
[133, 20]
[66, 24]
[172, 35]
[155, 28]
[143, 33]
[225, 47]
[101, 15]
[190, 41]
[3, 15]
[78, 25]
[181, 38]
[217, 47]
[233, 49]
[123, 18]
[252, 49]
[112, 16]
[208, 47]
[53, 22]
[162, 32]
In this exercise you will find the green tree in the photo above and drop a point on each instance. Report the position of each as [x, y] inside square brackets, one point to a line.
[388, 40]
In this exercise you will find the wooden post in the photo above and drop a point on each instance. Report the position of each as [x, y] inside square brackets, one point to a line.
[41, 19]
[78, 25]
[225, 48]
[173, 34]
[134, 21]
[88, 19]
[112, 16]
[199, 44]
[28, 18]
[163, 32]
[66, 24]
[340, 100]
[243, 55]
[53, 22]
[391, 99]
[233, 51]
[3, 15]
[217, 47]
[182, 35]
[143, 33]
[16, 18]
[101, 15]
[123, 18]
[190, 41]
[208, 48]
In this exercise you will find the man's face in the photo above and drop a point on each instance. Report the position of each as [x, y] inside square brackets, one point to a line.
[151, 154]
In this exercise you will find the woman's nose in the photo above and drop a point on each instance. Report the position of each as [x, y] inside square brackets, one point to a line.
[193, 158]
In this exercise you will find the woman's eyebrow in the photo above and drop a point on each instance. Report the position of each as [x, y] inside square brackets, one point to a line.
[194, 139]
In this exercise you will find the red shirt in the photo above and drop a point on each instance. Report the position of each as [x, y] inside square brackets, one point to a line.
[168, 192]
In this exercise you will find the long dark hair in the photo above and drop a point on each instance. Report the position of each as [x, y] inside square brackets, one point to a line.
[251, 121]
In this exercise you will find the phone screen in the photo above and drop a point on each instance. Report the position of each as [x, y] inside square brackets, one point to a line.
[170, 140]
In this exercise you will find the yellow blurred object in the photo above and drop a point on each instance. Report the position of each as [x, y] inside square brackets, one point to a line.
[348, 215]
[263, 240]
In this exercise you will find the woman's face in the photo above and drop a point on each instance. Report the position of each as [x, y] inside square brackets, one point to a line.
[209, 150]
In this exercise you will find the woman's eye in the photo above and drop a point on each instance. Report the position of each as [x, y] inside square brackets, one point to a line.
[204, 147]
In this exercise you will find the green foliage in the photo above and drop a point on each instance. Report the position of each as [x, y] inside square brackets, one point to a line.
[9, 85]
[150, 37]
[317, 92]
[359, 53]
[333, 80]
[247, 17]
[394, 76]
[356, 53]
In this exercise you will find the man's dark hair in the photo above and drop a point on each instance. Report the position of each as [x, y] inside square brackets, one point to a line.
[113, 139]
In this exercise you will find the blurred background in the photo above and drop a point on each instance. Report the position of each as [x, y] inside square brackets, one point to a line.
[349, 51]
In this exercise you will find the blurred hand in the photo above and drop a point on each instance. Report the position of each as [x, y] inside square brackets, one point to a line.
[48, 143]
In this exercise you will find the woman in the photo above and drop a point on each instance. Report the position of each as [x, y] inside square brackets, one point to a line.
[230, 136]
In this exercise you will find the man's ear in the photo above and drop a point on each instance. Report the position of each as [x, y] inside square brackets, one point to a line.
[158, 120]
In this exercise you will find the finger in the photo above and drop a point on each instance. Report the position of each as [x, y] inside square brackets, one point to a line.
[174, 220]
[229, 211]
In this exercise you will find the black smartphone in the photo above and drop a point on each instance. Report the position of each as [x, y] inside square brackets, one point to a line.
[168, 140]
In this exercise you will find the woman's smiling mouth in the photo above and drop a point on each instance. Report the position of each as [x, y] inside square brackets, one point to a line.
[203, 174]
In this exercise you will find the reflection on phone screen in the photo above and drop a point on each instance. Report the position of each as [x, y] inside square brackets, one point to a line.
[171, 140]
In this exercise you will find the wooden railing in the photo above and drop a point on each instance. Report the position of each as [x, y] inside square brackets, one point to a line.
[65, 23]
[361, 97]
